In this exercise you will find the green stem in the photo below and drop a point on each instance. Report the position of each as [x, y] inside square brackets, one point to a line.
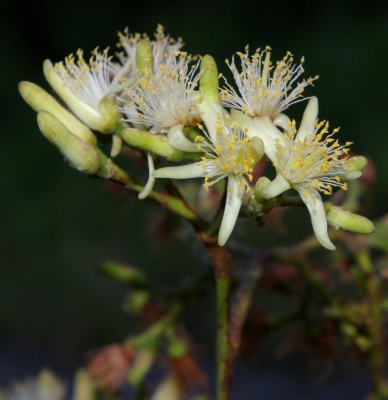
[224, 357]
[178, 205]
[242, 301]
[376, 356]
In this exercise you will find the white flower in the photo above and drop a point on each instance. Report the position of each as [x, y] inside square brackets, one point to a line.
[228, 154]
[87, 87]
[308, 160]
[262, 90]
[163, 102]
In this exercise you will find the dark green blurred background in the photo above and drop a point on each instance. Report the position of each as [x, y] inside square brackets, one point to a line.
[57, 226]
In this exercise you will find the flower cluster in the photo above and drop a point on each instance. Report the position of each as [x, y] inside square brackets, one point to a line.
[175, 102]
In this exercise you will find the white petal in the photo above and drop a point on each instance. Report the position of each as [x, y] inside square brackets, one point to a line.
[281, 120]
[309, 117]
[317, 212]
[209, 113]
[266, 125]
[89, 116]
[234, 198]
[276, 187]
[151, 179]
[178, 140]
[257, 129]
[180, 172]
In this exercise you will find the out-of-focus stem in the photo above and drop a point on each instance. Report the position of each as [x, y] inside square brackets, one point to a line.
[380, 389]
[240, 306]
[222, 269]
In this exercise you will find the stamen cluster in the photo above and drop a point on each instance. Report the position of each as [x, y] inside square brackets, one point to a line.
[262, 89]
[230, 155]
[317, 161]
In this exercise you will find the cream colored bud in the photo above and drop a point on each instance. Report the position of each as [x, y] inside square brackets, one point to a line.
[358, 163]
[38, 99]
[80, 154]
[340, 218]
[144, 58]
[209, 79]
[257, 147]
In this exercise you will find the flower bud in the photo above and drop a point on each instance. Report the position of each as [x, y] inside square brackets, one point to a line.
[144, 58]
[259, 205]
[38, 99]
[209, 79]
[81, 155]
[340, 218]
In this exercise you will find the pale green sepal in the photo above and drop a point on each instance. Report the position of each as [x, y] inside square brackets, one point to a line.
[258, 204]
[308, 120]
[209, 79]
[181, 172]
[144, 58]
[282, 120]
[340, 218]
[178, 140]
[117, 143]
[80, 154]
[151, 179]
[236, 190]
[38, 99]
[276, 187]
[314, 204]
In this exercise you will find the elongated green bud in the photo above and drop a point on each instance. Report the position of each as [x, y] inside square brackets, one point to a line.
[156, 144]
[340, 218]
[80, 154]
[144, 58]
[209, 79]
[38, 99]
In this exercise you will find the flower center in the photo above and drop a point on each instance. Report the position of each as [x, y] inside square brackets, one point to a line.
[315, 161]
[233, 154]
